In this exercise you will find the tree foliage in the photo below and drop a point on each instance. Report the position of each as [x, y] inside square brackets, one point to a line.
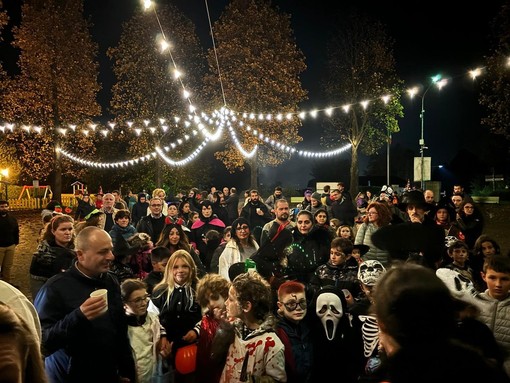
[495, 86]
[57, 85]
[260, 65]
[361, 67]
[146, 90]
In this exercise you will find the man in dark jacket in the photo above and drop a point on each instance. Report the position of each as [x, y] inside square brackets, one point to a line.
[9, 239]
[257, 213]
[139, 209]
[84, 339]
[153, 223]
[232, 203]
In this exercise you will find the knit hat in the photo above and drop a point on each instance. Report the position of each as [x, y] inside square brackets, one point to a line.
[316, 196]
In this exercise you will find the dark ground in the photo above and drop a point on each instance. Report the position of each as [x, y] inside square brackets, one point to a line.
[497, 223]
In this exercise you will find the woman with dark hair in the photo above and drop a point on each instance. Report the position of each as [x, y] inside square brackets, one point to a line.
[485, 246]
[470, 221]
[239, 248]
[309, 250]
[207, 221]
[174, 238]
[185, 213]
[417, 319]
[55, 252]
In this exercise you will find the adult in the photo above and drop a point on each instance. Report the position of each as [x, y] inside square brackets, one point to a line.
[9, 239]
[13, 297]
[342, 208]
[109, 210]
[20, 355]
[207, 221]
[232, 205]
[161, 194]
[55, 253]
[418, 240]
[139, 209]
[378, 215]
[119, 202]
[153, 223]
[257, 213]
[185, 213]
[470, 221]
[85, 207]
[174, 236]
[239, 248]
[310, 248]
[271, 200]
[282, 218]
[417, 318]
[85, 338]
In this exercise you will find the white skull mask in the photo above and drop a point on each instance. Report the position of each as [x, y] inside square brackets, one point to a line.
[460, 286]
[370, 271]
[329, 309]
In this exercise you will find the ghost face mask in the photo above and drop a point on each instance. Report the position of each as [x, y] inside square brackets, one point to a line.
[329, 309]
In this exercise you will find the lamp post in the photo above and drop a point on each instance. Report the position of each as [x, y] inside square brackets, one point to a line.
[436, 80]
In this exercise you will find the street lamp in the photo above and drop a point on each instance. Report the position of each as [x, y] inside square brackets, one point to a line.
[437, 81]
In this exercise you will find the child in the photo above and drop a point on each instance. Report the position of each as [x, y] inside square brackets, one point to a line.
[358, 251]
[341, 270]
[334, 223]
[174, 299]
[345, 231]
[140, 262]
[159, 259]
[294, 331]
[212, 292]
[256, 351]
[459, 253]
[495, 313]
[364, 322]
[146, 335]
[122, 227]
[227, 234]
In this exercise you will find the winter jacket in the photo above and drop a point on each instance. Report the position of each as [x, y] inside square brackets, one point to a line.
[77, 349]
[496, 315]
[364, 237]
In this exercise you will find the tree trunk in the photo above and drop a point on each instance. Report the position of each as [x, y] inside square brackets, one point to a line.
[254, 173]
[57, 180]
[159, 165]
[354, 172]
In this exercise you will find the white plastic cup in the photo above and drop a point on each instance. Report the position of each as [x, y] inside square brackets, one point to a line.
[103, 293]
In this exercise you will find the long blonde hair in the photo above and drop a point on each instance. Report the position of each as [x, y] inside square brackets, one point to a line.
[167, 284]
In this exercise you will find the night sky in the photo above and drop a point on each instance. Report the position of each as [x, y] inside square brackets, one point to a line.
[440, 38]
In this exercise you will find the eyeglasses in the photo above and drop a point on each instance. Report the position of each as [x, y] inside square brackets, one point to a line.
[158, 205]
[143, 299]
[243, 228]
[292, 305]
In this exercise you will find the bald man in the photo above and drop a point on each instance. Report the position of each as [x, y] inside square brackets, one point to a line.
[81, 341]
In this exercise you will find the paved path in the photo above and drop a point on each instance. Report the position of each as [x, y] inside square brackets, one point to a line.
[30, 224]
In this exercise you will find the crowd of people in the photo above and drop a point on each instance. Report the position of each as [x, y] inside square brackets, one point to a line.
[388, 288]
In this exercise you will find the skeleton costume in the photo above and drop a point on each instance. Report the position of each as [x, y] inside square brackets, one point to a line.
[365, 323]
